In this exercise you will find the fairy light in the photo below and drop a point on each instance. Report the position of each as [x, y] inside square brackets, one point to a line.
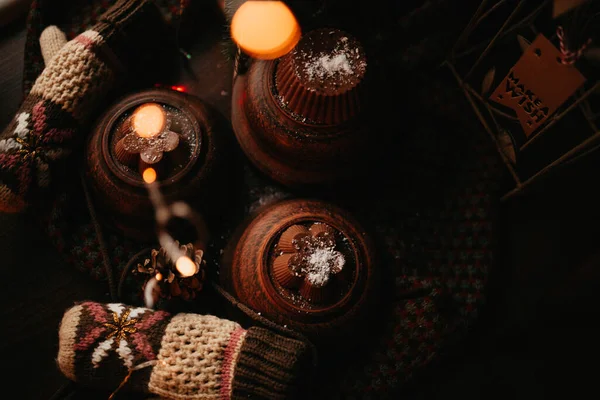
[185, 266]
[149, 292]
[184, 53]
[149, 175]
[160, 209]
[265, 29]
[148, 120]
[177, 88]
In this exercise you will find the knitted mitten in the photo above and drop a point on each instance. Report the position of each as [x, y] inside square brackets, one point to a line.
[185, 356]
[75, 80]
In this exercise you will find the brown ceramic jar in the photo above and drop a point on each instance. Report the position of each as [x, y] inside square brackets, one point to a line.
[189, 160]
[299, 118]
[304, 264]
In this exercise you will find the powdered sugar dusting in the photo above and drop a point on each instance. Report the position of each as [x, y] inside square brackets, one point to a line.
[328, 65]
[322, 260]
[321, 263]
[329, 58]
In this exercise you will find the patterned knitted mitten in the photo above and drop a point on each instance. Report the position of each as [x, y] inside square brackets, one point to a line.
[185, 356]
[66, 94]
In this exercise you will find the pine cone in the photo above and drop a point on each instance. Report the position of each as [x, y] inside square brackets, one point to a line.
[171, 283]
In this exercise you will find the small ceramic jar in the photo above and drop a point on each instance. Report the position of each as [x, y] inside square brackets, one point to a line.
[176, 134]
[299, 118]
[305, 264]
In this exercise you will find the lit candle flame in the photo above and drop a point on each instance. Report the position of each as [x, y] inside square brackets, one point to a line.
[148, 120]
[265, 29]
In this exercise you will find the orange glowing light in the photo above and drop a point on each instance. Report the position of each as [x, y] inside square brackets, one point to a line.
[148, 120]
[265, 29]
[149, 175]
[178, 88]
[185, 266]
[158, 276]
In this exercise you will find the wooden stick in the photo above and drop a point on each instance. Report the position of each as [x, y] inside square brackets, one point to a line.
[485, 125]
[495, 38]
[463, 35]
[516, 26]
[489, 107]
[563, 159]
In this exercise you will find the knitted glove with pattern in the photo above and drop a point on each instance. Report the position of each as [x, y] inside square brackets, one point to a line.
[77, 78]
[187, 356]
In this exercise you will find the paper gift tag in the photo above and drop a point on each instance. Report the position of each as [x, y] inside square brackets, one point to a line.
[537, 84]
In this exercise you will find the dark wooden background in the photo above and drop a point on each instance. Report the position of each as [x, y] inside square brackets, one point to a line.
[538, 337]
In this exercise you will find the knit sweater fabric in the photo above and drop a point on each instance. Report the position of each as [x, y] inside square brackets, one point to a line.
[189, 356]
[50, 121]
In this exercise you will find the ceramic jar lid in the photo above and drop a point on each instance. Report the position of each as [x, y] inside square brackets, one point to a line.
[179, 136]
[303, 263]
[171, 149]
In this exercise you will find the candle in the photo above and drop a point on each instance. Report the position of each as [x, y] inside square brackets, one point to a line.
[265, 29]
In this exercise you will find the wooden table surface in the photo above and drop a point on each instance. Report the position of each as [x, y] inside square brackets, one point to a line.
[534, 339]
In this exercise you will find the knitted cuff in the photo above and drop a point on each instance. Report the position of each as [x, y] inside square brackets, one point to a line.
[76, 79]
[270, 366]
[186, 356]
